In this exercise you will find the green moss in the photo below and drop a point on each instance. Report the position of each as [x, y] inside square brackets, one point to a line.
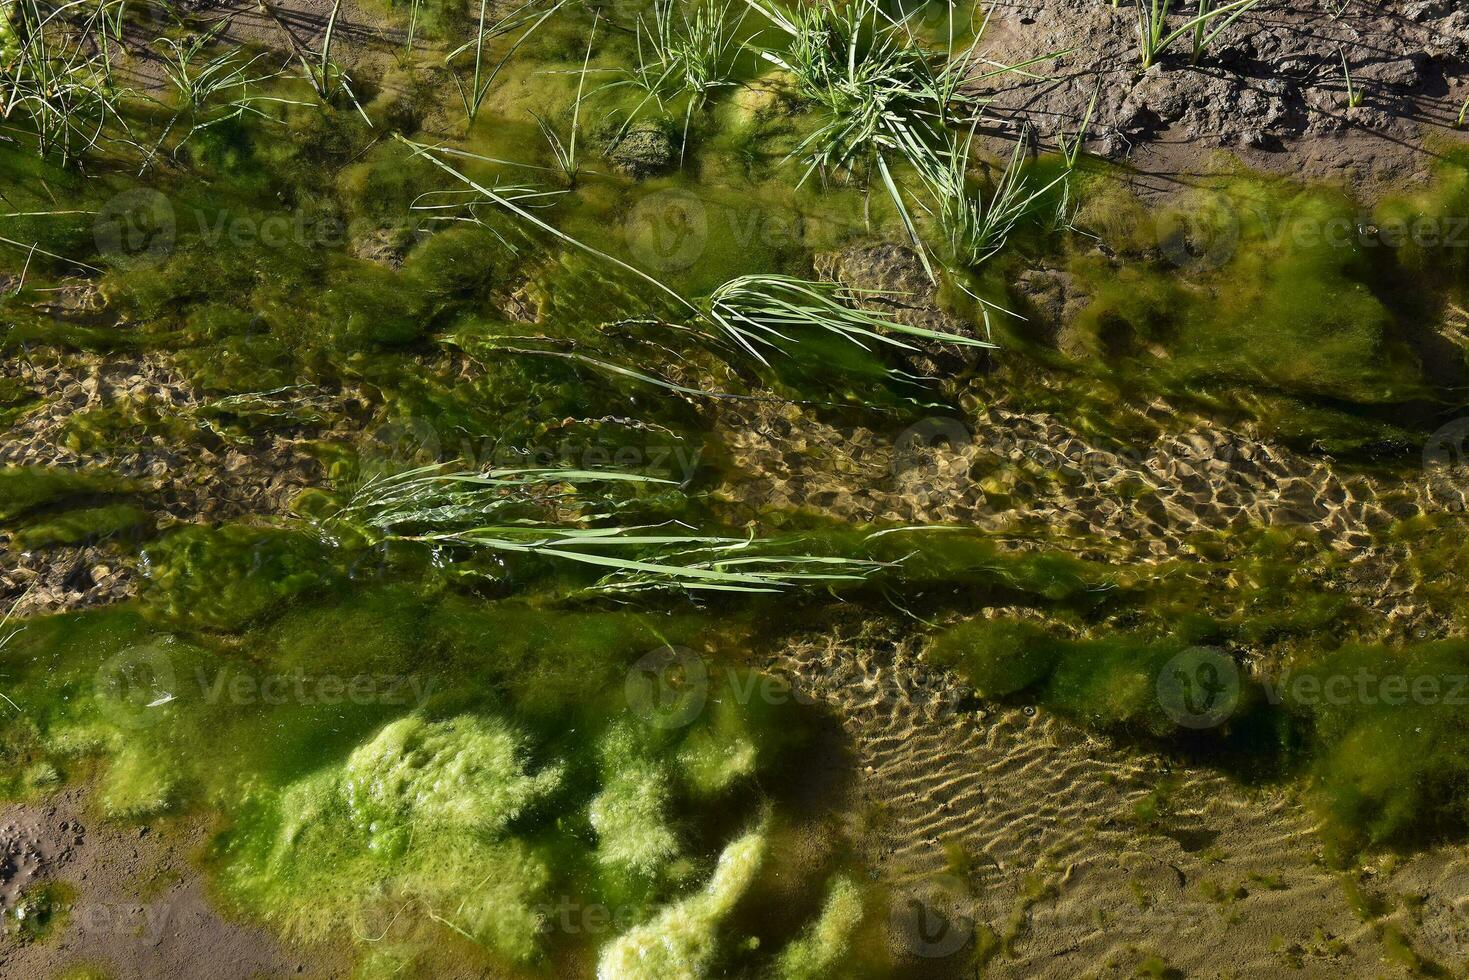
[27, 488]
[78, 526]
[1254, 298]
[826, 942]
[458, 267]
[229, 576]
[682, 941]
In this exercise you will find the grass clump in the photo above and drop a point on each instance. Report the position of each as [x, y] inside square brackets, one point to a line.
[1154, 38]
[513, 513]
[691, 57]
[881, 99]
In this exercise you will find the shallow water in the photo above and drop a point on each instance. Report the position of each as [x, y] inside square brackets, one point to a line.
[1133, 639]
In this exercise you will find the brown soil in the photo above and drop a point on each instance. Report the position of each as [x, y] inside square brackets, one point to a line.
[1270, 92]
[136, 909]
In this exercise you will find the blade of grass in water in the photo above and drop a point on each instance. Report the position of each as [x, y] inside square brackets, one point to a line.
[478, 511]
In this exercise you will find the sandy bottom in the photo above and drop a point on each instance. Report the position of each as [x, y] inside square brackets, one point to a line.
[1077, 857]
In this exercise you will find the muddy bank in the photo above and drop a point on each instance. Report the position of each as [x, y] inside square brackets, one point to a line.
[125, 900]
[1270, 92]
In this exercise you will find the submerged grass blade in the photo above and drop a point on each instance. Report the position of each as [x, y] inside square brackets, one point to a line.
[512, 511]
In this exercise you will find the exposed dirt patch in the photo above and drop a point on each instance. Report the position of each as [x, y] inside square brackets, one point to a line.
[1270, 91]
[136, 906]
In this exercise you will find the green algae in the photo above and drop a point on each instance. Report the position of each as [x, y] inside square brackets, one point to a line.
[27, 489]
[475, 805]
[1377, 731]
[41, 911]
[229, 576]
[630, 814]
[422, 808]
[680, 942]
[826, 942]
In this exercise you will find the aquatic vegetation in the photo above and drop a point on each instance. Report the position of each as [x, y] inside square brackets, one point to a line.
[86, 524]
[1263, 301]
[25, 489]
[631, 812]
[882, 98]
[41, 910]
[211, 93]
[1393, 759]
[825, 942]
[139, 783]
[59, 78]
[229, 576]
[768, 310]
[421, 811]
[694, 56]
[975, 227]
[537, 361]
[681, 942]
[524, 18]
[461, 773]
[512, 511]
[999, 658]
